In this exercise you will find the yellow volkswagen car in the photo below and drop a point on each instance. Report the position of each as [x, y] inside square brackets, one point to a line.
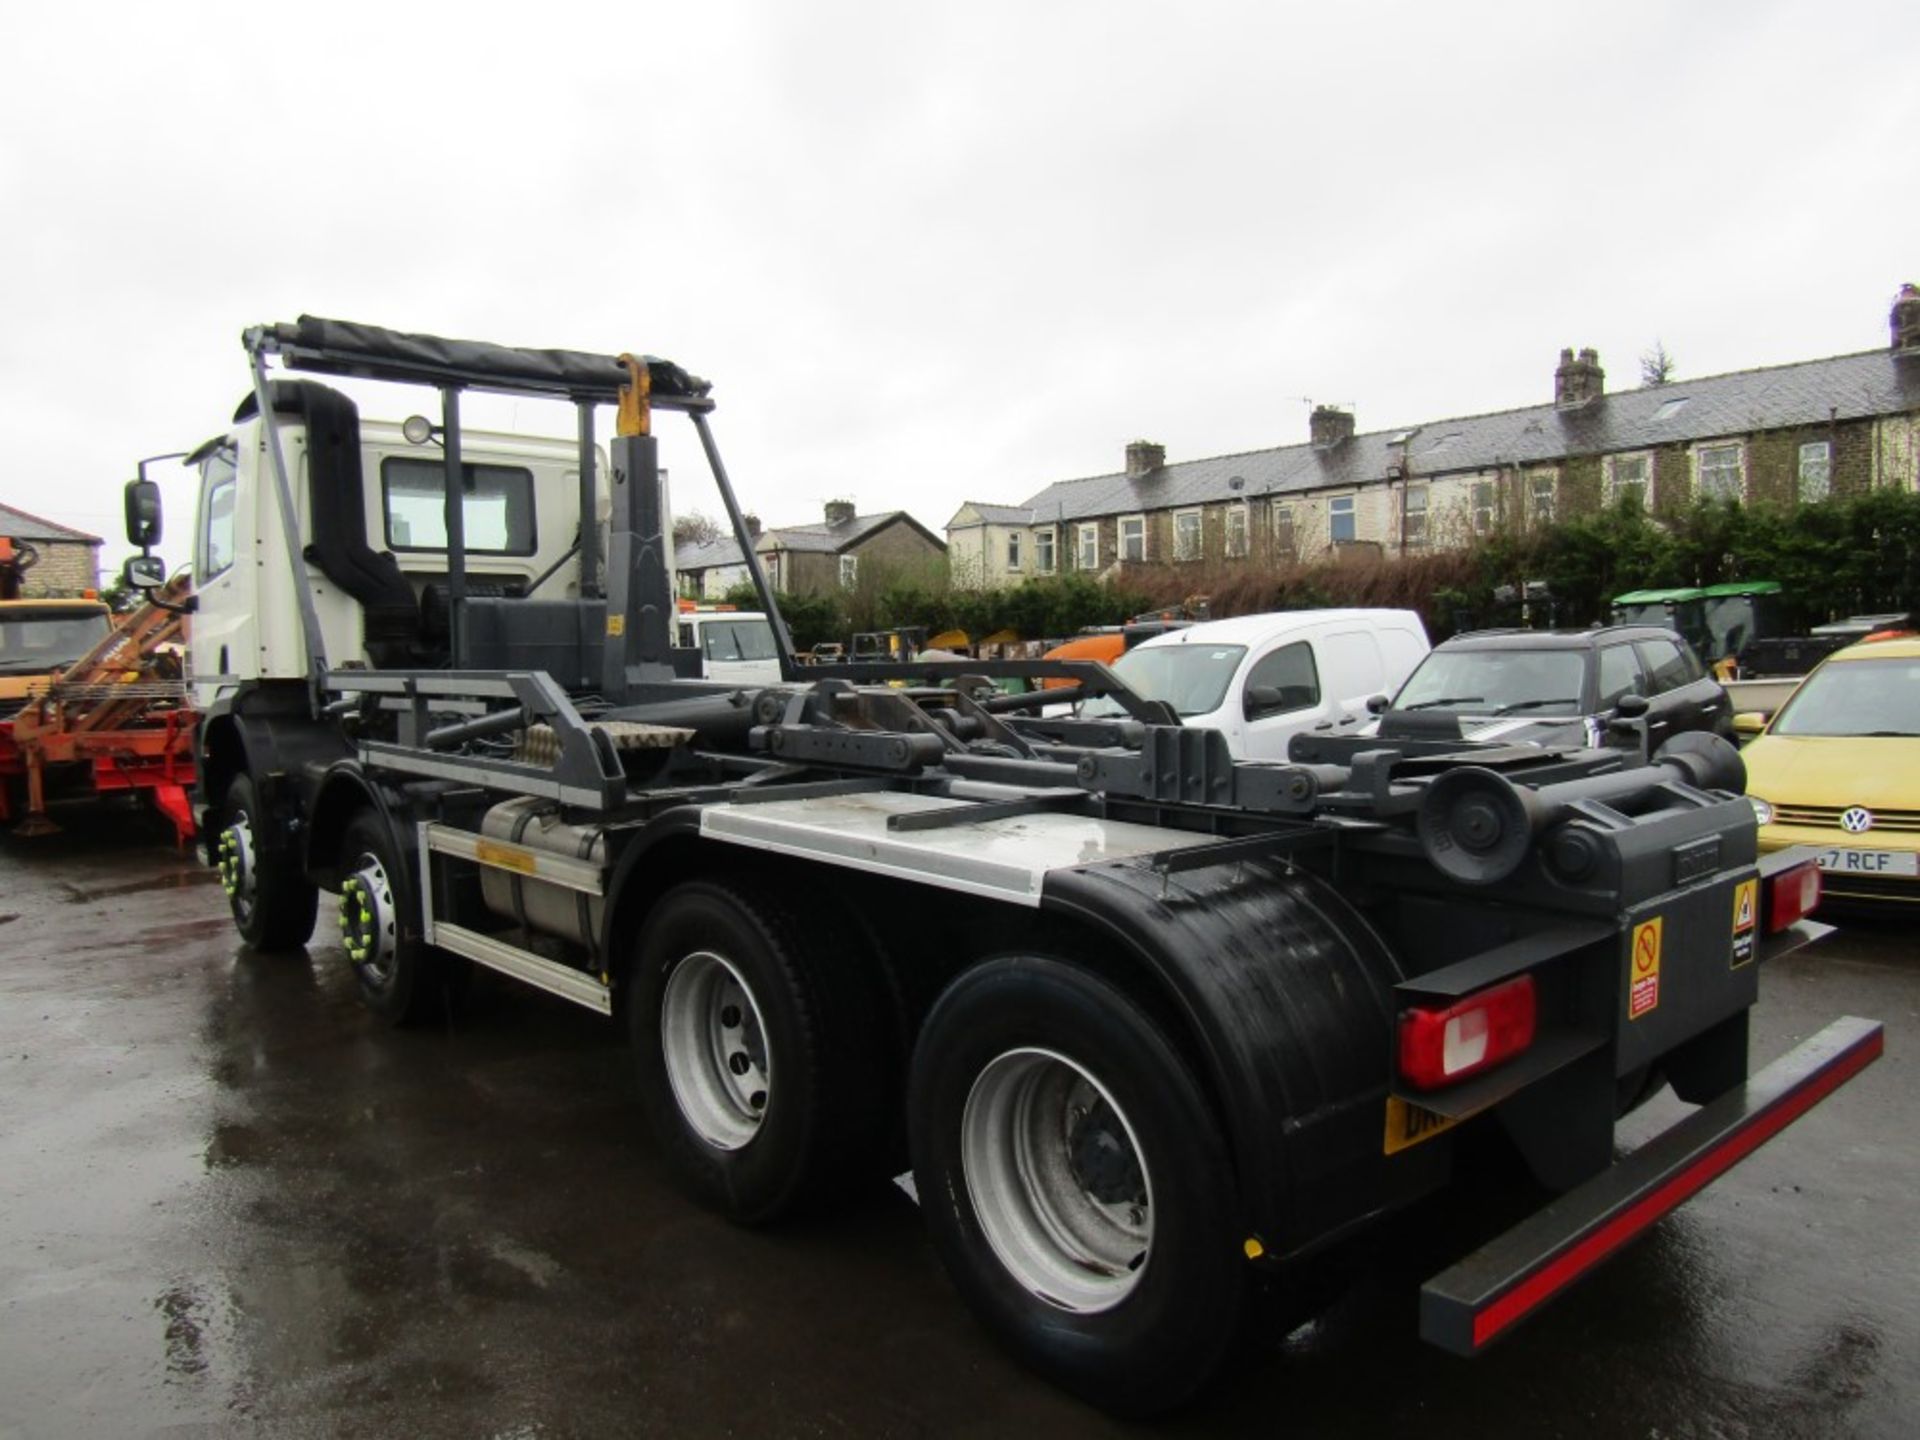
[1838, 767]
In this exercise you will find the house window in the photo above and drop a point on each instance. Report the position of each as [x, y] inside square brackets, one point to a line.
[1340, 519]
[1236, 531]
[1013, 551]
[1133, 537]
[773, 569]
[1627, 476]
[1541, 494]
[849, 571]
[1043, 551]
[1816, 470]
[1087, 544]
[1717, 472]
[1480, 497]
[1283, 529]
[1186, 534]
[1413, 515]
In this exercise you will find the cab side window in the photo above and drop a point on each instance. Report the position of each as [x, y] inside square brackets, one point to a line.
[1285, 680]
[1619, 674]
[1667, 667]
[214, 552]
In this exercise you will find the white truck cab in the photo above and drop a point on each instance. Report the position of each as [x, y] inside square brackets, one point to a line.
[1262, 679]
[736, 646]
[380, 521]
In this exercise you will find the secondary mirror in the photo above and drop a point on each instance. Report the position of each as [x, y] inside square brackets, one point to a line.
[143, 513]
[144, 572]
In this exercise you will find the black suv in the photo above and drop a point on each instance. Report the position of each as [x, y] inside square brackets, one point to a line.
[1557, 687]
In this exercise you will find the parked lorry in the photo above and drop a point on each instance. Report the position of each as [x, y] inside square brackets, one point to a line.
[1158, 1032]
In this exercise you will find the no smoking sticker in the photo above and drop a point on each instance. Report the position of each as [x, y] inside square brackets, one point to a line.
[1643, 985]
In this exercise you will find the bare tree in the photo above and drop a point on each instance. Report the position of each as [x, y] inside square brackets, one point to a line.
[694, 528]
[1656, 365]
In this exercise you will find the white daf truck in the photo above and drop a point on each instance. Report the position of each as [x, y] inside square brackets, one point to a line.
[1161, 1032]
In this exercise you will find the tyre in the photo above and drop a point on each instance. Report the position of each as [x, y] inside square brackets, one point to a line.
[1076, 1185]
[762, 1051]
[273, 902]
[401, 979]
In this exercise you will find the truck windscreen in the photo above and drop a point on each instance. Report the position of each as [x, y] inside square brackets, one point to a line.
[40, 641]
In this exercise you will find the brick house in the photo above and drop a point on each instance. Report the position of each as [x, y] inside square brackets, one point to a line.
[1783, 434]
[69, 560]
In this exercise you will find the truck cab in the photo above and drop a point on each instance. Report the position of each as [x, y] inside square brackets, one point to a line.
[38, 637]
[735, 646]
[372, 538]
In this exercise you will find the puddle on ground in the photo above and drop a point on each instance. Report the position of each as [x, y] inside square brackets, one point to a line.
[179, 880]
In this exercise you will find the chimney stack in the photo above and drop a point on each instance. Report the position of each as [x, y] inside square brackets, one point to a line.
[1329, 425]
[1904, 321]
[753, 524]
[839, 512]
[1578, 379]
[1144, 457]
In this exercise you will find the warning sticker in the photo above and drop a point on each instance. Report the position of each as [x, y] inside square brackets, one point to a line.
[1643, 985]
[1408, 1124]
[1746, 902]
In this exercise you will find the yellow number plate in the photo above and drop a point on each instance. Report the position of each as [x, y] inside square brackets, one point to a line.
[1408, 1124]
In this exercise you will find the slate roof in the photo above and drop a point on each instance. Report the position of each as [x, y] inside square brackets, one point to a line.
[707, 554]
[1845, 387]
[19, 525]
[997, 514]
[822, 538]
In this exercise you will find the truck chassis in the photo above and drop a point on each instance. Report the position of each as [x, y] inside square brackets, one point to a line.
[1158, 1032]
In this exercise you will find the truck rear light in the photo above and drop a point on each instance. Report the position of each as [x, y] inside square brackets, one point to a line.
[1792, 895]
[1438, 1047]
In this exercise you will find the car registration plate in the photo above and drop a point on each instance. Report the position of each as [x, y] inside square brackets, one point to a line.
[1872, 862]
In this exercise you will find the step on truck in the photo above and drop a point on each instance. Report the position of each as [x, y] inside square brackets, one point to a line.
[1157, 1031]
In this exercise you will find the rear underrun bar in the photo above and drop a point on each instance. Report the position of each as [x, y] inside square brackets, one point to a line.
[1466, 1308]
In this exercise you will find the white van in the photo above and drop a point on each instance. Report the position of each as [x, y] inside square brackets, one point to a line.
[1262, 679]
[736, 646]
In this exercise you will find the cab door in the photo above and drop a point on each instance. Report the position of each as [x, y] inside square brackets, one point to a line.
[224, 645]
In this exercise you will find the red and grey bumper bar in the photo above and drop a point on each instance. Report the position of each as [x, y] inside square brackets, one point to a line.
[1466, 1308]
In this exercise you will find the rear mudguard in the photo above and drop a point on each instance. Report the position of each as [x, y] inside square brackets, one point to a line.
[1286, 994]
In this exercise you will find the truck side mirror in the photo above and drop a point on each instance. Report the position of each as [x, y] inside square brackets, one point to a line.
[1378, 704]
[144, 572]
[1631, 706]
[143, 514]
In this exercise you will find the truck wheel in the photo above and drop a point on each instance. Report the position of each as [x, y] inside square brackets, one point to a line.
[1076, 1185]
[273, 902]
[761, 1053]
[400, 978]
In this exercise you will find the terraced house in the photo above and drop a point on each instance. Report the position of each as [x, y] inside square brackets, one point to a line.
[1786, 433]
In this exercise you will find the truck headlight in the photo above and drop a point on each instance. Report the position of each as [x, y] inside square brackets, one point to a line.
[1762, 811]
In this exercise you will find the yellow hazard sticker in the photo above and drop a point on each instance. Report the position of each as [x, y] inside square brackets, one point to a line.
[1746, 906]
[616, 624]
[1408, 1124]
[1643, 984]
[504, 857]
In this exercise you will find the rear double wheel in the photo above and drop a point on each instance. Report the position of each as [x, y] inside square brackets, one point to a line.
[1075, 1183]
[274, 904]
[762, 1050]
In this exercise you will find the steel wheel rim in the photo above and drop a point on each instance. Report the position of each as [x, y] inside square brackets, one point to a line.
[714, 1042]
[236, 864]
[369, 928]
[1058, 1180]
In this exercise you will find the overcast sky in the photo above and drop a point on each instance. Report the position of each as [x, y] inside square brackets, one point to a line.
[930, 253]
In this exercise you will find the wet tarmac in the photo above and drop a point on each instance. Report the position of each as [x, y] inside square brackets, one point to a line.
[233, 1202]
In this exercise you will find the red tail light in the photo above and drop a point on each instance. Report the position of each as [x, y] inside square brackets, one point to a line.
[1438, 1047]
[1791, 895]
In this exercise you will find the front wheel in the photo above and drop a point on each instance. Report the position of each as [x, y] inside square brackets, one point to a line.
[1076, 1185]
[273, 902]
